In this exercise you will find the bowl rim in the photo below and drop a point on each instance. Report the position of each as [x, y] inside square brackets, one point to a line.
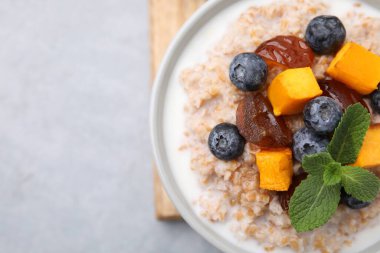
[208, 10]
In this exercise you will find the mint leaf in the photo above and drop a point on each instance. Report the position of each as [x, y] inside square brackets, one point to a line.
[314, 164]
[360, 183]
[316, 199]
[313, 203]
[332, 174]
[349, 135]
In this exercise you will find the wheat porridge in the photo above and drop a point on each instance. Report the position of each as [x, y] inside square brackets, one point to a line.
[232, 189]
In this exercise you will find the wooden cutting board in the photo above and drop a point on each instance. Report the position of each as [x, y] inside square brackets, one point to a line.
[166, 17]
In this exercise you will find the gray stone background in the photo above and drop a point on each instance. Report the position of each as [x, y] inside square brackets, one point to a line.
[75, 155]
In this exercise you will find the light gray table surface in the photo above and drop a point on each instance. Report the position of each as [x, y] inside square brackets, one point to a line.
[75, 155]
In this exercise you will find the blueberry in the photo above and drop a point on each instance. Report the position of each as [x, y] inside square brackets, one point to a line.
[225, 142]
[375, 100]
[322, 114]
[352, 202]
[307, 142]
[248, 72]
[325, 34]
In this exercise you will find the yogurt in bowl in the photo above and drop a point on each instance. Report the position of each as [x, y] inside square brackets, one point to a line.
[223, 200]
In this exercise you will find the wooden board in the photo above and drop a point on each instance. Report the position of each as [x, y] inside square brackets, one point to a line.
[166, 17]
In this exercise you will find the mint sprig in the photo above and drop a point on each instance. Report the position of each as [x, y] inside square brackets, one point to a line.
[316, 199]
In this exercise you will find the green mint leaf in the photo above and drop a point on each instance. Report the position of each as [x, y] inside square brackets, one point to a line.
[349, 135]
[314, 164]
[313, 203]
[360, 183]
[332, 174]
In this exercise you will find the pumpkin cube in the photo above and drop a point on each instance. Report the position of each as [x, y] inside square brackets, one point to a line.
[291, 90]
[357, 68]
[276, 169]
[369, 155]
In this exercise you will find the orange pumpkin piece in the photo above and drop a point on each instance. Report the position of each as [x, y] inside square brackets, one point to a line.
[276, 169]
[290, 91]
[369, 155]
[356, 67]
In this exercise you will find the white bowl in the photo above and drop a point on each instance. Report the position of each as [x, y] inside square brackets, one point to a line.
[168, 99]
